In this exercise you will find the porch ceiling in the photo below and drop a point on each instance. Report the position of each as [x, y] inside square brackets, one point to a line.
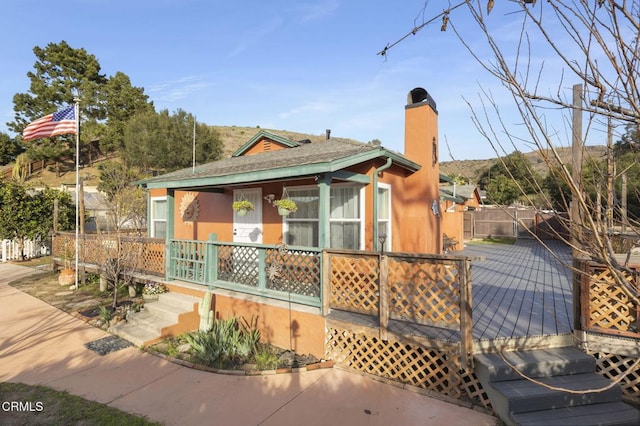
[306, 160]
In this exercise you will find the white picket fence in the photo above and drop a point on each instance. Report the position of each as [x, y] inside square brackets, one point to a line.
[32, 248]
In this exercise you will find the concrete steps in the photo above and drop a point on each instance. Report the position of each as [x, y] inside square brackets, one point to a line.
[518, 401]
[159, 319]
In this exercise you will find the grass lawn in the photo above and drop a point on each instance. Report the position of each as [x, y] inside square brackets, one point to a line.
[495, 240]
[40, 405]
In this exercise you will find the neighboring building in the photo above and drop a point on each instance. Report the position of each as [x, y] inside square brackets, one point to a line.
[349, 195]
[456, 199]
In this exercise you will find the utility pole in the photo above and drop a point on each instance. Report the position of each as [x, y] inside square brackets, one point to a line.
[623, 208]
[574, 210]
[576, 172]
[611, 172]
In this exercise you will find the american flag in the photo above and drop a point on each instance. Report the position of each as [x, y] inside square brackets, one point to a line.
[62, 122]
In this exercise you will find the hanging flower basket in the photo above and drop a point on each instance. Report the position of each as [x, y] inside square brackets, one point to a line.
[285, 206]
[242, 207]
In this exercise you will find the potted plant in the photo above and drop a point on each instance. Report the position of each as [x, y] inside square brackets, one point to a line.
[152, 290]
[67, 273]
[285, 206]
[242, 207]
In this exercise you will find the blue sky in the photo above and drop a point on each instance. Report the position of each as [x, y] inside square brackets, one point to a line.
[302, 66]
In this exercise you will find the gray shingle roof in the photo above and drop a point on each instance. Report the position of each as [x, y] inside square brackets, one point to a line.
[306, 154]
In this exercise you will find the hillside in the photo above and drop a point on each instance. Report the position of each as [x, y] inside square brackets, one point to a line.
[472, 169]
[235, 136]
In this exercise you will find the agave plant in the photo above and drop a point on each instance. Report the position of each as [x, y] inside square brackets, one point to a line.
[228, 341]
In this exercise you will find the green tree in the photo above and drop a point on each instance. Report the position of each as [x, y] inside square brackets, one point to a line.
[510, 179]
[44, 202]
[630, 141]
[502, 190]
[61, 74]
[122, 101]
[558, 194]
[149, 137]
[25, 216]
[9, 149]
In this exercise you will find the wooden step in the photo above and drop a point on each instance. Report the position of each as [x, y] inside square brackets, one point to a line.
[523, 395]
[519, 401]
[539, 363]
[609, 414]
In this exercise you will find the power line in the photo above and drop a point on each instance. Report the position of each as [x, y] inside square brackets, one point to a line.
[444, 15]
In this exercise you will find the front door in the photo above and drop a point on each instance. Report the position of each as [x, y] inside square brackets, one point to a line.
[248, 228]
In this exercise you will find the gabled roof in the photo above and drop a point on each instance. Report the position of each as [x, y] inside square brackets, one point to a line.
[299, 161]
[446, 193]
[264, 134]
[456, 193]
[466, 190]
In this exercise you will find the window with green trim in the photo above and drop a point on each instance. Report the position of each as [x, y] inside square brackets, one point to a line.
[384, 216]
[158, 217]
[345, 221]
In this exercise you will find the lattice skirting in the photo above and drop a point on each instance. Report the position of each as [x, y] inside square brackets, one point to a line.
[612, 366]
[437, 370]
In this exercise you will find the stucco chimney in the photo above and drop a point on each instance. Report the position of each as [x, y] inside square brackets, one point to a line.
[328, 133]
[421, 128]
[421, 146]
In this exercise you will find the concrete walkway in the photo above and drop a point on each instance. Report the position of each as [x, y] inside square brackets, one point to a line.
[42, 345]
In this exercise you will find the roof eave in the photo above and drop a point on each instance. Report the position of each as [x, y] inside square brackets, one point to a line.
[288, 172]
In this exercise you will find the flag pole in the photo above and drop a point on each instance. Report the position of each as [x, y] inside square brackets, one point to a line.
[77, 117]
[193, 169]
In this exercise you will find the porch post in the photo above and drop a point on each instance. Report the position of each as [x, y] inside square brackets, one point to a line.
[324, 185]
[169, 236]
[211, 260]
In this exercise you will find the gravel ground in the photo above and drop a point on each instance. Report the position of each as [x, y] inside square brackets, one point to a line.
[107, 345]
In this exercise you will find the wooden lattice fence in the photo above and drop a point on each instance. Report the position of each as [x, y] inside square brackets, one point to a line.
[436, 369]
[611, 319]
[605, 306]
[428, 290]
[144, 254]
[613, 366]
[354, 282]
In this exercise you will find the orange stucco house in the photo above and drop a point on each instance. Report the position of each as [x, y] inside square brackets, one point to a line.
[349, 195]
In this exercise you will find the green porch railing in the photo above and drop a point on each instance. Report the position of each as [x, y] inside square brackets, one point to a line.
[277, 272]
